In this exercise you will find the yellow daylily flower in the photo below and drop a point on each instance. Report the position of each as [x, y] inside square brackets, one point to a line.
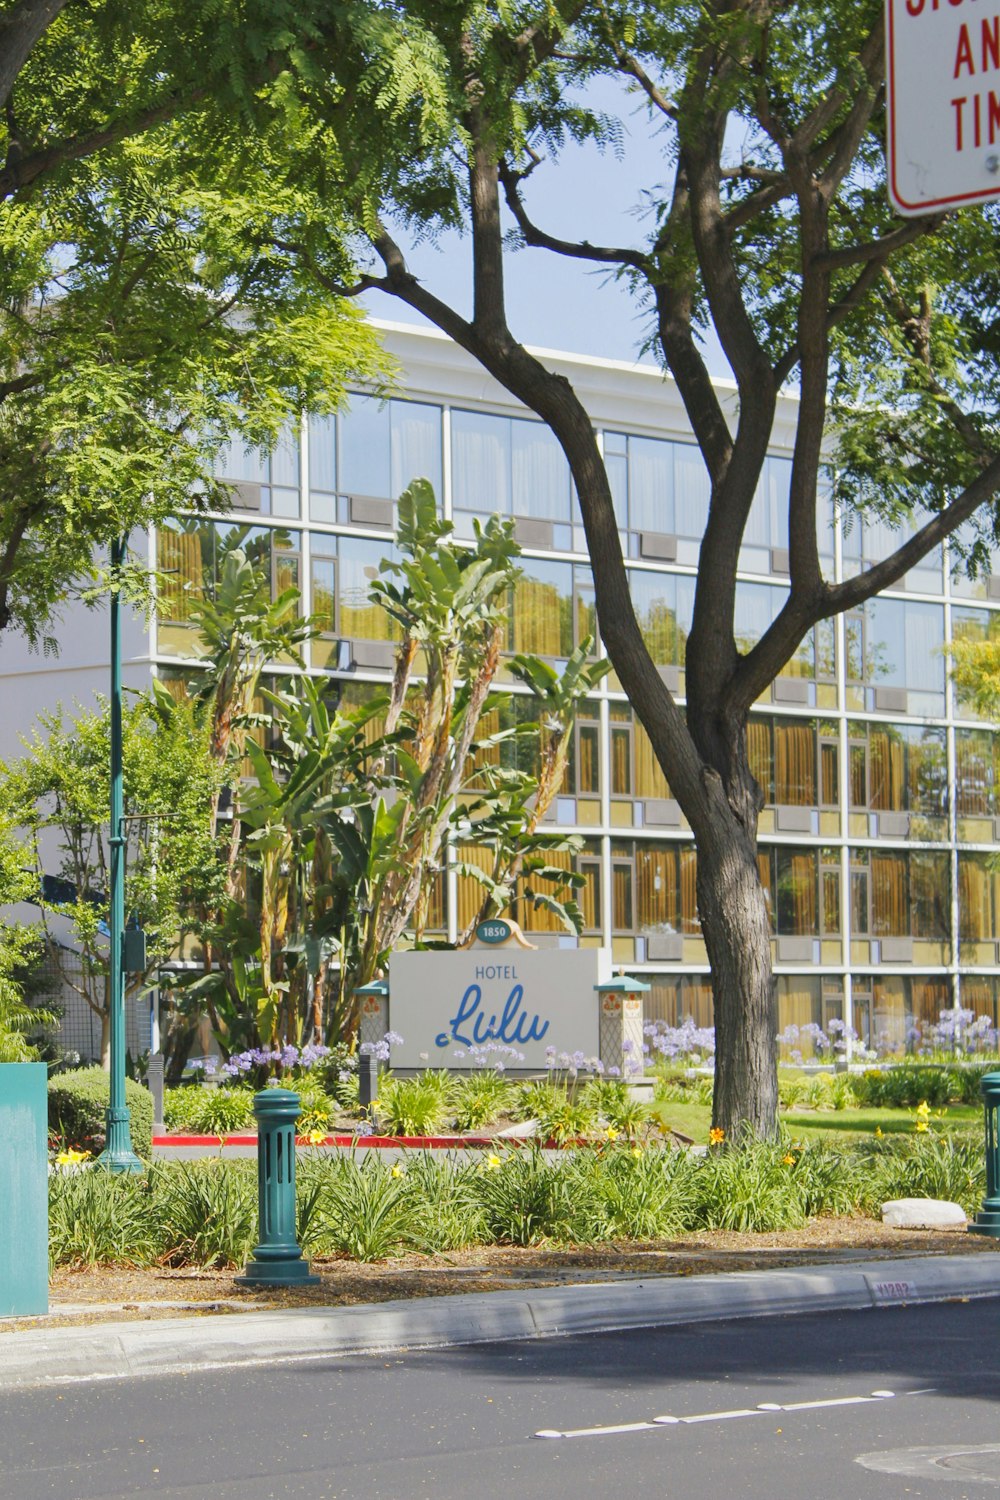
[716, 1136]
[637, 1152]
[788, 1161]
[397, 1171]
[492, 1162]
[71, 1156]
[611, 1133]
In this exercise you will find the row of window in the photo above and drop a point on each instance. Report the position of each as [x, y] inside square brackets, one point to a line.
[361, 459]
[888, 1011]
[893, 894]
[895, 658]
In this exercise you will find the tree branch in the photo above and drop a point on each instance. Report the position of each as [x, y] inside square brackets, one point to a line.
[20, 28]
[578, 250]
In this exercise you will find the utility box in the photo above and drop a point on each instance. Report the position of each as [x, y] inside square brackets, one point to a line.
[24, 1190]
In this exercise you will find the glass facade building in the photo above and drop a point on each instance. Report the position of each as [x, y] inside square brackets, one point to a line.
[882, 787]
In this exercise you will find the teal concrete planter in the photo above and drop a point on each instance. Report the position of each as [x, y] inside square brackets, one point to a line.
[24, 1190]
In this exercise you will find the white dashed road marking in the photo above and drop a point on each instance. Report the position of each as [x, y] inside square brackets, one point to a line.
[765, 1408]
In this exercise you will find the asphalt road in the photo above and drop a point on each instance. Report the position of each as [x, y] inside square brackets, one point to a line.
[895, 1402]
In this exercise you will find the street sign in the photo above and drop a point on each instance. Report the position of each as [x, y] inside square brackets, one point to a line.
[943, 115]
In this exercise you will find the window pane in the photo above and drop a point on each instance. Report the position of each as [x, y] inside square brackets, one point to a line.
[795, 762]
[323, 454]
[416, 445]
[975, 779]
[692, 491]
[649, 778]
[365, 449]
[285, 460]
[539, 473]
[360, 618]
[654, 596]
[621, 763]
[829, 774]
[890, 895]
[588, 761]
[651, 485]
[324, 592]
[481, 462]
[930, 896]
[241, 464]
[542, 619]
[796, 892]
[760, 754]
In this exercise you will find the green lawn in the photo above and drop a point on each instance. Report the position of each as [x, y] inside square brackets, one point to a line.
[694, 1120]
[818, 1122]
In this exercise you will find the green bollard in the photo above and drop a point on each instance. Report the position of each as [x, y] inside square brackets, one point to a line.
[988, 1219]
[277, 1260]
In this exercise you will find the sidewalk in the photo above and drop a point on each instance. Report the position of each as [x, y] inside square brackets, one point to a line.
[126, 1350]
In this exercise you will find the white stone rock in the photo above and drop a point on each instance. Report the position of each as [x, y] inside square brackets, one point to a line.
[923, 1213]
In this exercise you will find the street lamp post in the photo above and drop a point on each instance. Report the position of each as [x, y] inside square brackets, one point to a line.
[117, 1155]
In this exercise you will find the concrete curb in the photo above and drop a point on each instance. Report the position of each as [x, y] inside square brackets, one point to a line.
[114, 1351]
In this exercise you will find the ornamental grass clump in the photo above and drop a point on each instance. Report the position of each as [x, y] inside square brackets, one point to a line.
[527, 1200]
[97, 1218]
[415, 1106]
[447, 1194]
[481, 1099]
[366, 1210]
[924, 1166]
[207, 1212]
[752, 1188]
[632, 1192]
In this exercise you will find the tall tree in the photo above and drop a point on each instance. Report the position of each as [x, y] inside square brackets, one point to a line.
[772, 228]
[59, 795]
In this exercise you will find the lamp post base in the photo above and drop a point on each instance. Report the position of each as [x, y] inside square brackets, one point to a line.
[278, 1273]
[986, 1222]
[118, 1155]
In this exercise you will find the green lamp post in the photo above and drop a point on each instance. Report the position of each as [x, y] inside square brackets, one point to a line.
[117, 1155]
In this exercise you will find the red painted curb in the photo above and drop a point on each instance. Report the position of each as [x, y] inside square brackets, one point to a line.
[421, 1142]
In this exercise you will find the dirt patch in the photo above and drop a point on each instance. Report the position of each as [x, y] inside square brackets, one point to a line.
[95, 1294]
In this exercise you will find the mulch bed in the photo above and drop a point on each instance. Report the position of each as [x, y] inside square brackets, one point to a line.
[93, 1294]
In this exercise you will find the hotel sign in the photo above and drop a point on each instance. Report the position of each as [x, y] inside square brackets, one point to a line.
[526, 999]
[943, 116]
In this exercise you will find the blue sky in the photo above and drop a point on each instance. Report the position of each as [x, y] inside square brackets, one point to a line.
[553, 301]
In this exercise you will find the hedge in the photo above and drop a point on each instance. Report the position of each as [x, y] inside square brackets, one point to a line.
[77, 1104]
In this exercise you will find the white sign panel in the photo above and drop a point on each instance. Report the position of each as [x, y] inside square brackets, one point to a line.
[447, 1003]
[943, 81]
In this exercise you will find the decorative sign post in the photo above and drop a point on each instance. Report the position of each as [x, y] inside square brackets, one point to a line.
[501, 993]
[373, 1012]
[620, 1002]
[943, 115]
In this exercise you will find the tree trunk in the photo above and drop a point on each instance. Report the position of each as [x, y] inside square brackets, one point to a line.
[734, 920]
[106, 1040]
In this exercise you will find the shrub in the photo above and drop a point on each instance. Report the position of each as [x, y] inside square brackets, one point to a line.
[906, 1085]
[78, 1102]
[414, 1106]
[222, 1111]
[480, 1099]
